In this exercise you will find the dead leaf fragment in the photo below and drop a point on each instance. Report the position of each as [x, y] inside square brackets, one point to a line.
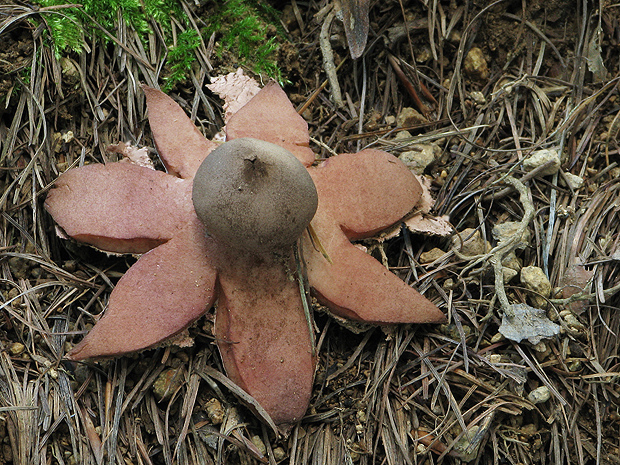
[236, 89]
[522, 321]
[575, 280]
[133, 154]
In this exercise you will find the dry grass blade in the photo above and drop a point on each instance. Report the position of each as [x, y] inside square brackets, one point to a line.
[20, 402]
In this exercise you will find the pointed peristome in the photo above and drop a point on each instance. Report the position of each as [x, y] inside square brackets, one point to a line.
[254, 195]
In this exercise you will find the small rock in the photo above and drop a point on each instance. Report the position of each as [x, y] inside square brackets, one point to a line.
[511, 261]
[467, 446]
[539, 158]
[70, 71]
[508, 274]
[167, 383]
[478, 97]
[410, 117]
[420, 157]
[505, 231]
[572, 180]
[534, 278]
[542, 351]
[449, 284]
[67, 137]
[17, 348]
[539, 395]
[574, 325]
[475, 64]
[260, 445]
[403, 135]
[431, 255]
[215, 411]
[390, 120]
[279, 454]
[470, 242]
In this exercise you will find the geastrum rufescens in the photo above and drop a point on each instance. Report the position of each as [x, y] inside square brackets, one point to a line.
[232, 246]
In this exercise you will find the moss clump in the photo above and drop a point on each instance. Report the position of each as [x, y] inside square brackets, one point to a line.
[181, 57]
[69, 26]
[249, 30]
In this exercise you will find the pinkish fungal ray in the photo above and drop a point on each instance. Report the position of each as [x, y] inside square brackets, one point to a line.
[359, 195]
[120, 207]
[165, 291]
[180, 145]
[270, 116]
[262, 334]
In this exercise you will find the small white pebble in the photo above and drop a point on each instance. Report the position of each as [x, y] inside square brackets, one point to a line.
[574, 182]
[17, 348]
[478, 97]
[539, 395]
[539, 158]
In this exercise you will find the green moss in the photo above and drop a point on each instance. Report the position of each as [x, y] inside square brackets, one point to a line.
[65, 27]
[68, 27]
[181, 57]
[240, 25]
[242, 28]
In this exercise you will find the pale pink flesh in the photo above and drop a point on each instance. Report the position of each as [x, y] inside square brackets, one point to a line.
[355, 191]
[263, 335]
[358, 287]
[165, 291]
[180, 144]
[120, 207]
[365, 192]
[270, 116]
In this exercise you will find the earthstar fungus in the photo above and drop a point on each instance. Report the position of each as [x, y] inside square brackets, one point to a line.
[243, 266]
